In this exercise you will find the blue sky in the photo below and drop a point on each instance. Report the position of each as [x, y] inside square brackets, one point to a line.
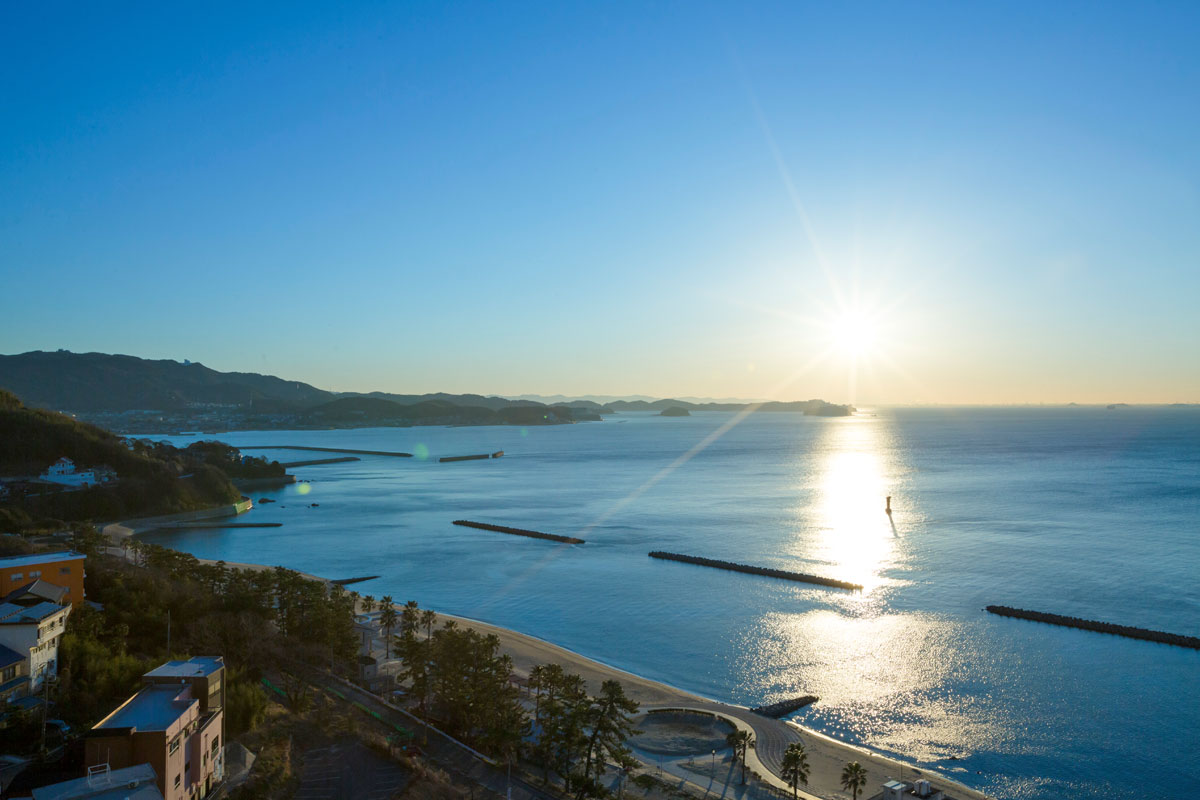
[655, 198]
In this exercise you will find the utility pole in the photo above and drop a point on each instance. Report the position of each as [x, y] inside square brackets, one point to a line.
[45, 705]
[168, 634]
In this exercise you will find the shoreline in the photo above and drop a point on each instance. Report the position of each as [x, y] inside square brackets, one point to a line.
[827, 755]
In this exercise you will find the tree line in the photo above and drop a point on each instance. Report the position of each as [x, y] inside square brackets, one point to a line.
[457, 678]
[160, 604]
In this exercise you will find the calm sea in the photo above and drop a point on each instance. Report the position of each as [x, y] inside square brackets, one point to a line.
[1086, 512]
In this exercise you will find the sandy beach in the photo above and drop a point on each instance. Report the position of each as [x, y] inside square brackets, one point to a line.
[827, 756]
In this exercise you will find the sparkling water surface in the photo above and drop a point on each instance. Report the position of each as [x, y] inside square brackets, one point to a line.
[1080, 511]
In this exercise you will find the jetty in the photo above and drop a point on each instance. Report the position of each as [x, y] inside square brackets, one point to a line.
[314, 462]
[348, 581]
[1128, 631]
[445, 459]
[751, 570]
[328, 450]
[783, 707]
[487, 526]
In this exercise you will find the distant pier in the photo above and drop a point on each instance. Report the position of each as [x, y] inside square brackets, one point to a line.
[1127, 631]
[478, 457]
[751, 570]
[487, 526]
[328, 450]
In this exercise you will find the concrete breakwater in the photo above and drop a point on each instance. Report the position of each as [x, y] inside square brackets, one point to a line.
[348, 581]
[274, 482]
[783, 707]
[130, 527]
[751, 570]
[1128, 631]
[316, 461]
[487, 526]
[328, 450]
[191, 525]
[479, 457]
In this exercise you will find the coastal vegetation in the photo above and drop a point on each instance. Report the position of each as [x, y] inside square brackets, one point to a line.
[151, 477]
[674, 411]
[795, 766]
[854, 778]
[741, 741]
[767, 571]
[160, 604]
[457, 678]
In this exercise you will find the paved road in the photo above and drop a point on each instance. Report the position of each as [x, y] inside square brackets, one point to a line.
[771, 735]
[347, 770]
[445, 751]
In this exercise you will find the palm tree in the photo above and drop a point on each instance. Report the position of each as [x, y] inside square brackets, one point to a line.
[854, 778]
[368, 604]
[387, 620]
[795, 766]
[740, 741]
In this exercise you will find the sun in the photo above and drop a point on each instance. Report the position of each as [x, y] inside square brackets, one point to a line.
[854, 334]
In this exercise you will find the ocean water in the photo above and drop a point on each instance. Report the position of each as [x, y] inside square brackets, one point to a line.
[1080, 511]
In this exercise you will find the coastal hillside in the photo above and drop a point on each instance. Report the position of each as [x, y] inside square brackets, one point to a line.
[143, 396]
[86, 382]
[140, 480]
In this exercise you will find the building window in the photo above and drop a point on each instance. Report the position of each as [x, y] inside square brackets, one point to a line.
[37, 573]
[64, 571]
[216, 741]
[9, 674]
[178, 780]
[174, 748]
[16, 576]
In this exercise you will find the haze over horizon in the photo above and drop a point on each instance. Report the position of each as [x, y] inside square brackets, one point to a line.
[984, 204]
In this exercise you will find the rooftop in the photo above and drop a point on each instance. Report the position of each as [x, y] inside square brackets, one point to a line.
[131, 783]
[38, 558]
[198, 667]
[9, 657]
[12, 614]
[38, 588]
[154, 708]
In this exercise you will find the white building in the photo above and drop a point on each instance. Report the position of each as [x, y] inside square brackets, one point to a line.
[63, 472]
[35, 630]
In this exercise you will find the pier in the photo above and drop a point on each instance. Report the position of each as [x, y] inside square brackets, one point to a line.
[487, 526]
[1127, 631]
[328, 450]
[751, 570]
[478, 457]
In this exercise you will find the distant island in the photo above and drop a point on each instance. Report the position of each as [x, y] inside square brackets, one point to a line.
[136, 395]
[675, 411]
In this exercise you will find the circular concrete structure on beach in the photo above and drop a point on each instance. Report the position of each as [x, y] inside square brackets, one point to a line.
[681, 733]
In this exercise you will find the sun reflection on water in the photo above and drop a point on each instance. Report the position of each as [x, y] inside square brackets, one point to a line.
[853, 534]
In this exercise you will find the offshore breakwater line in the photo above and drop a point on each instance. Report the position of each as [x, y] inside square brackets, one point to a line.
[752, 570]
[1128, 631]
[487, 526]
